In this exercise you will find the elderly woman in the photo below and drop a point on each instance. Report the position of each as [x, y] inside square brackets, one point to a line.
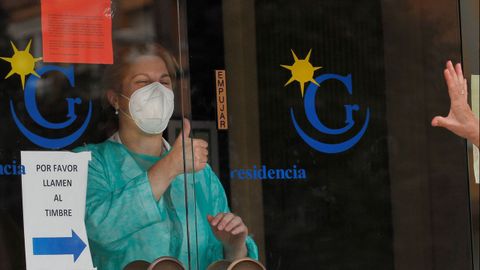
[135, 198]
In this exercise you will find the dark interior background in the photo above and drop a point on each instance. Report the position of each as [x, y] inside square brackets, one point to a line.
[339, 218]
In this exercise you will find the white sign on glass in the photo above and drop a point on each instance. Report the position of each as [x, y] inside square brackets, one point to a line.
[54, 189]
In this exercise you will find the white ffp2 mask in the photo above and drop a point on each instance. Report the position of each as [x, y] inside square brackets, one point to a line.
[151, 107]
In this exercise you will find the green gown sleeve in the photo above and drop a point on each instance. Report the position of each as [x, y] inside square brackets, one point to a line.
[220, 205]
[132, 205]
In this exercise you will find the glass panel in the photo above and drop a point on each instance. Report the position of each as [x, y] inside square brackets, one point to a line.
[469, 11]
[380, 202]
[124, 98]
[304, 125]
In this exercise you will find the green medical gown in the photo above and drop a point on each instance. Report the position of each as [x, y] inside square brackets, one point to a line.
[125, 223]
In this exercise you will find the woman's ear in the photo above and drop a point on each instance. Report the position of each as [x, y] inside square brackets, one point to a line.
[112, 97]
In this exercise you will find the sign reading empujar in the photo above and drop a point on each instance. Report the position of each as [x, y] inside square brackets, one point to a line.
[54, 193]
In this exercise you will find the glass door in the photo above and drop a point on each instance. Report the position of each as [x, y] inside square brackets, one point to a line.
[217, 133]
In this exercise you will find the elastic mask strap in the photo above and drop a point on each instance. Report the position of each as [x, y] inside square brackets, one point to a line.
[126, 114]
[122, 95]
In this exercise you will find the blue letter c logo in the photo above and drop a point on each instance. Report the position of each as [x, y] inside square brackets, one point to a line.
[309, 104]
[32, 109]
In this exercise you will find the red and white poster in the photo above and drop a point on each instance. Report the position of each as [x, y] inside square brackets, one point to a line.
[77, 31]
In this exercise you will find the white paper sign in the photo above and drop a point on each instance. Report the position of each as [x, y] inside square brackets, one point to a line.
[54, 190]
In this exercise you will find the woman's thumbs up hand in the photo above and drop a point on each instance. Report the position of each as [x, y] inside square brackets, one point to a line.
[189, 154]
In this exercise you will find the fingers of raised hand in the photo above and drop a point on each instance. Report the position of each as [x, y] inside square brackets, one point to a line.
[457, 85]
[458, 71]
[199, 146]
[227, 218]
[240, 229]
[228, 222]
[455, 72]
[200, 152]
[184, 135]
[200, 143]
[201, 155]
[451, 70]
[214, 222]
[233, 224]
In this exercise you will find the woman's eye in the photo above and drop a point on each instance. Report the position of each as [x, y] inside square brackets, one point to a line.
[168, 84]
[142, 82]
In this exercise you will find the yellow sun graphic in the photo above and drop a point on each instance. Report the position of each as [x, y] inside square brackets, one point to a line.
[22, 62]
[302, 71]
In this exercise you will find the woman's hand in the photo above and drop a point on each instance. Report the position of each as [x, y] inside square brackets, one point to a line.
[460, 119]
[165, 170]
[196, 152]
[232, 232]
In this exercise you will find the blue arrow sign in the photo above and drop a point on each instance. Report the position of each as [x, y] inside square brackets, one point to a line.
[59, 246]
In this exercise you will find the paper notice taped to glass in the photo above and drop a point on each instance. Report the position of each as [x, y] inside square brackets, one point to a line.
[77, 31]
[54, 189]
